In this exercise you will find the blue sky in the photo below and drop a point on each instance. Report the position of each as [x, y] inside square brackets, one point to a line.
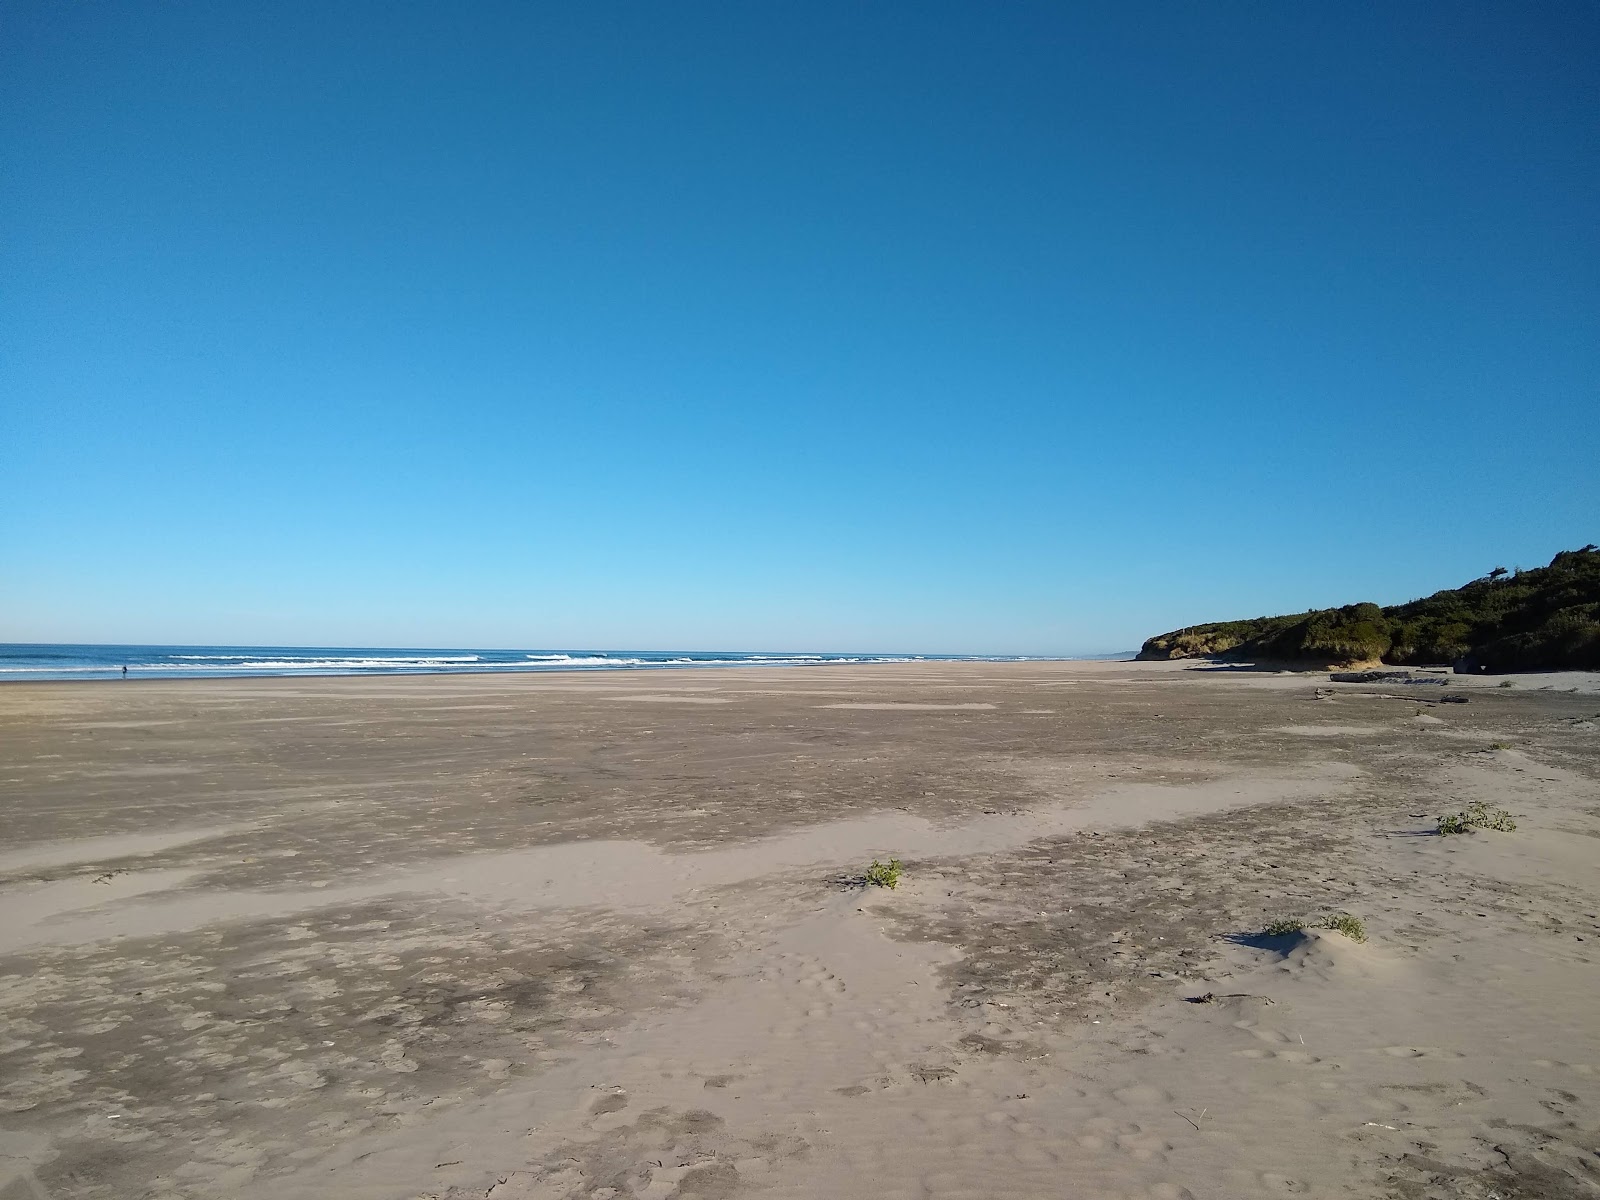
[980, 327]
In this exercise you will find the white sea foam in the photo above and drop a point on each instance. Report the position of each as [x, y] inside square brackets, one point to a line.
[599, 660]
[51, 670]
[237, 663]
[322, 664]
[308, 660]
[68, 662]
[585, 660]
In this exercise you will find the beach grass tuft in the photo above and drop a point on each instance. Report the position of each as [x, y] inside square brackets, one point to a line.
[1352, 927]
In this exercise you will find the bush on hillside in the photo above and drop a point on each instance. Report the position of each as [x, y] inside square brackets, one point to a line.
[1546, 618]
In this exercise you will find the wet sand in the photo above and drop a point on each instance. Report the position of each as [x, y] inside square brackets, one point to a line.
[606, 936]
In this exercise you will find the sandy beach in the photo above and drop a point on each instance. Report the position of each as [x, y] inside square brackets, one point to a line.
[606, 936]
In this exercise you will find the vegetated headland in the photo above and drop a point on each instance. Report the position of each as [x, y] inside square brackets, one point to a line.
[1544, 619]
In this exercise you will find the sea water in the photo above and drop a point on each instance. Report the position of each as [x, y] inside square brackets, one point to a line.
[45, 661]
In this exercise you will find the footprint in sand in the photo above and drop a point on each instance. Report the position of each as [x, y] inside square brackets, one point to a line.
[1144, 1147]
[1297, 1057]
[1580, 1068]
[1033, 1156]
[1142, 1093]
[609, 1103]
[604, 1109]
[812, 978]
[1418, 1052]
[1561, 1103]
[1275, 1036]
[823, 980]
[1281, 1183]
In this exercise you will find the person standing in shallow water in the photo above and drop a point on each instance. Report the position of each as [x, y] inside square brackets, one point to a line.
[124, 672]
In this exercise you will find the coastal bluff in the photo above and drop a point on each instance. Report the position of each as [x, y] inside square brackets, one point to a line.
[1542, 619]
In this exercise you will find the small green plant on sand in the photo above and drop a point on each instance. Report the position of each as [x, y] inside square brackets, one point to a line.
[881, 874]
[1344, 923]
[1506, 683]
[1476, 815]
[1499, 745]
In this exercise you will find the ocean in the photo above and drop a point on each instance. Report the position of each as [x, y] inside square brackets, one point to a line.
[43, 661]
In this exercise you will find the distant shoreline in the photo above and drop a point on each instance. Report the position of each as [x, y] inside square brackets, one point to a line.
[85, 663]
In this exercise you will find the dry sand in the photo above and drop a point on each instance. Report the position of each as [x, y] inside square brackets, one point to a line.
[605, 936]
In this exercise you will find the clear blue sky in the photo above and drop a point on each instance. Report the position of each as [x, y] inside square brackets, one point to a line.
[986, 327]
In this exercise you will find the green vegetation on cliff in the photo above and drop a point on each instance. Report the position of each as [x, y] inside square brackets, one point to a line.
[1547, 618]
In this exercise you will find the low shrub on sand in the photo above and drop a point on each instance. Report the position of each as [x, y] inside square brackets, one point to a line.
[1283, 927]
[887, 874]
[1476, 816]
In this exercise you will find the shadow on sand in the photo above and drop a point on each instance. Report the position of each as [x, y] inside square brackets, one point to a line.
[1265, 668]
[1282, 944]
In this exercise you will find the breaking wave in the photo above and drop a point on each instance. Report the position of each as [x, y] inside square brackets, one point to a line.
[40, 662]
